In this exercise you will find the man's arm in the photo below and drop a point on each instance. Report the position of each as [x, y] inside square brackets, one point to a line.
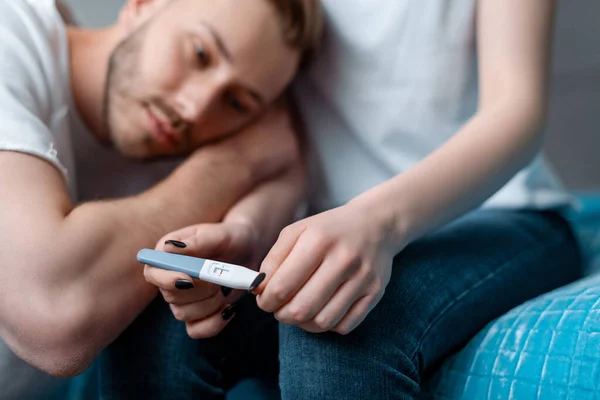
[69, 279]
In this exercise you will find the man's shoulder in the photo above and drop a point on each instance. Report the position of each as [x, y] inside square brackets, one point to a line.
[30, 31]
[33, 50]
[29, 23]
[34, 81]
[18, 14]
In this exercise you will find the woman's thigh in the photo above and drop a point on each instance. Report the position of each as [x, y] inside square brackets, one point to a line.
[444, 288]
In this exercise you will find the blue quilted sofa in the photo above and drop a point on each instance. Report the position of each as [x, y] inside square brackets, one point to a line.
[547, 348]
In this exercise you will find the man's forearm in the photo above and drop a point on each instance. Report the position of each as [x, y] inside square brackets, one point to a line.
[103, 259]
[82, 277]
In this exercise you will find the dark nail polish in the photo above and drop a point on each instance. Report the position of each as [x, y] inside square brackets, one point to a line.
[184, 284]
[228, 312]
[176, 243]
[226, 291]
[259, 279]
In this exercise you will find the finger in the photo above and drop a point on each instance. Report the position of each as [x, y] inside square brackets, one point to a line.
[318, 291]
[200, 292]
[199, 309]
[179, 282]
[293, 273]
[278, 253]
[333, 312]
[205, 241]
[164, 279]
[208, 327]
[356, 315]
[176, 236]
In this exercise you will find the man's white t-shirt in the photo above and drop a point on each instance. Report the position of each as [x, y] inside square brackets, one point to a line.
[392, 82]
[34, 86]
[37, 115]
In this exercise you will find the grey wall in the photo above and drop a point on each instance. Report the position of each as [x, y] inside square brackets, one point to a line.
[574, 127]
[574, 122]
[95, 13]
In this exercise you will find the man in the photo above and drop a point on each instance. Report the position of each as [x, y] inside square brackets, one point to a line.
[169, 79]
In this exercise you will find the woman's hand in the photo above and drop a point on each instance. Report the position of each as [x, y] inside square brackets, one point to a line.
[327, 272]
[204, 307]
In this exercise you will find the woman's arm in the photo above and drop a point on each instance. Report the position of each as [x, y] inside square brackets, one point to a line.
[328, 271]
[513, 39]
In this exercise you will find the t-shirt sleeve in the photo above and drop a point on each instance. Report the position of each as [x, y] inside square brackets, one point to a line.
[26, 107]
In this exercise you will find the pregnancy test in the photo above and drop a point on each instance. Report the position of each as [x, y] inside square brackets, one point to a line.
[217, 272]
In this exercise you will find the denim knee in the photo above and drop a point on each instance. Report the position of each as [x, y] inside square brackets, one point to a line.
[357, 366]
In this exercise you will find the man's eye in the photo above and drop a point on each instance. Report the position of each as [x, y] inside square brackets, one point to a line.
[201, 56]
[237, 105]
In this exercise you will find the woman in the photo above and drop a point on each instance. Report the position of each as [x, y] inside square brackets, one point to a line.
[417, 113]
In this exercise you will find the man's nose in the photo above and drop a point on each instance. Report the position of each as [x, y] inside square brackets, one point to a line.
[195, 98]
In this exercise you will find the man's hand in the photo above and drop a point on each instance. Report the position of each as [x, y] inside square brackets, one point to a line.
[201, 304]
[267, 147]
[327, 272]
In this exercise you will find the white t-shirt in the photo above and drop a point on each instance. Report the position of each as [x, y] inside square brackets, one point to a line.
[37, 113]
[392, 82]
[34, 86]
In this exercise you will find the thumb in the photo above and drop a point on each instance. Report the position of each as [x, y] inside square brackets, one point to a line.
[279, 252]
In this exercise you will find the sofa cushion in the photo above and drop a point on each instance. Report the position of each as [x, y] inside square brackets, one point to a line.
[547, 348]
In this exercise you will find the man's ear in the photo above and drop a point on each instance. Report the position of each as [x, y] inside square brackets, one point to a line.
[135, 12]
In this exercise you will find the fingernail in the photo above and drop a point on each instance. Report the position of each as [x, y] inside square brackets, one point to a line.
[226, 291]
[228, 312]
[259, 279]
[184, 284]
[176, 243]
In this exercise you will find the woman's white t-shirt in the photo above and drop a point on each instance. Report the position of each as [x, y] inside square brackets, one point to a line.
[391, 83]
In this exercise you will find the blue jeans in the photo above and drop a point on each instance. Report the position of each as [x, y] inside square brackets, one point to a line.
[444, 288]
[155, 358]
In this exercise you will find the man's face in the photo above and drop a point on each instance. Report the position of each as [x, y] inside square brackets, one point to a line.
[194, 71]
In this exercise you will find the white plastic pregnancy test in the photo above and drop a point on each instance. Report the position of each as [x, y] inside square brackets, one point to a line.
[220, 273]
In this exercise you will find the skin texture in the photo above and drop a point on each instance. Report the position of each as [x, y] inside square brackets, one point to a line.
[69, 280]
[327, 272]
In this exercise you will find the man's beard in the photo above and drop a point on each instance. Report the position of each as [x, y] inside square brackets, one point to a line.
[120, 85]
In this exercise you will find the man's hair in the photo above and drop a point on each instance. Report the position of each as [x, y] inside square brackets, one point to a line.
[302, 24]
